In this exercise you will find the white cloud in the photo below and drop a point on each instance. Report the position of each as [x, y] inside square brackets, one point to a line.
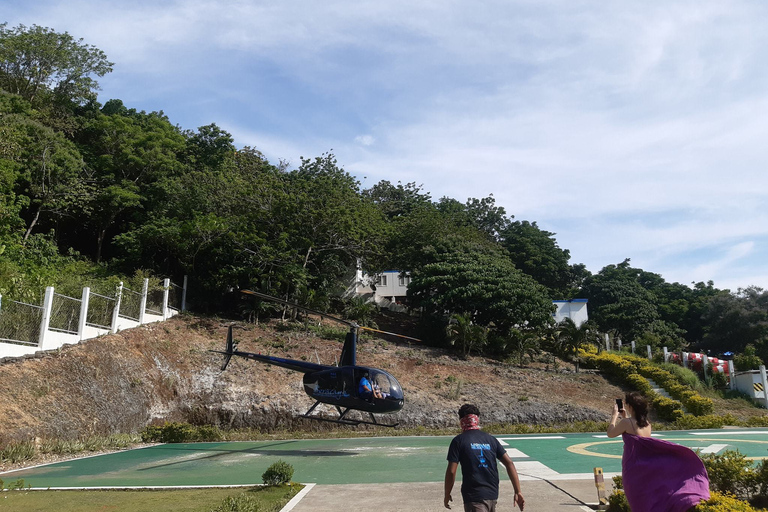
[365, 140]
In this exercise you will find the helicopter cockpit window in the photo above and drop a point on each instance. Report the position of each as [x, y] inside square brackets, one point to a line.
[386, 385]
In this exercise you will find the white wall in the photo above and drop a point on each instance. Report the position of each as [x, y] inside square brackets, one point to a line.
[575, 309]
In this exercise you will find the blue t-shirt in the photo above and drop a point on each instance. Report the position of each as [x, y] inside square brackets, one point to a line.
[477, 452]
[361, 388]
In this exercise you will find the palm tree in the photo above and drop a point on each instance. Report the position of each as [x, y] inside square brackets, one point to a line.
[468, 336]
[569, 338]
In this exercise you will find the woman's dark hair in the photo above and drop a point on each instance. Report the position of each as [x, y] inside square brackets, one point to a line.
[468, 409]
[640, 406]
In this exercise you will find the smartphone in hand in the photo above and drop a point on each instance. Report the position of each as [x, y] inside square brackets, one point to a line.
[619, 404]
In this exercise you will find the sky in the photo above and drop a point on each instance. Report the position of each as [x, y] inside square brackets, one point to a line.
[629, 129]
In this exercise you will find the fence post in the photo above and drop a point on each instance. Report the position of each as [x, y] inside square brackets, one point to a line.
[116, 312]
[685, 359]
[765, 382]
[607, 346]
[85, 300]
[166, 286]
[633, 346]
[704, 364]
[184, 295]
[143, 304]
[731, 376]
[650, 354]
[665, 354]
[46, 321]
[618, 341]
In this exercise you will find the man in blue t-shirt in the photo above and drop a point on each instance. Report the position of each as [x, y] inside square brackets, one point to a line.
[478, 453]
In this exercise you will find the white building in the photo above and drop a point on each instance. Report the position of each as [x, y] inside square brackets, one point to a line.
[575, 309]
[389, 285]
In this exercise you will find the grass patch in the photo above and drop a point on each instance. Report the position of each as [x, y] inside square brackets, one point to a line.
[263, 499]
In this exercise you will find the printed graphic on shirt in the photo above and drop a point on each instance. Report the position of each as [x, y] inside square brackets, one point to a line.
[479, 447]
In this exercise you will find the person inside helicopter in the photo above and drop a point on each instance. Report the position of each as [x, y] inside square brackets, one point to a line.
[366, 389]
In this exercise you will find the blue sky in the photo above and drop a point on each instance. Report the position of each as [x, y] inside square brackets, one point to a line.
[630, 129]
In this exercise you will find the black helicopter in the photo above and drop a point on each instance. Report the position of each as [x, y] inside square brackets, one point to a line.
[347, 387]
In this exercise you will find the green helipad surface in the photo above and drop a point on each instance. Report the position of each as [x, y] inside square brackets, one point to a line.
[358, 460]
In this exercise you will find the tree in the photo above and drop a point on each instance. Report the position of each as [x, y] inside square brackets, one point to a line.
[619, 303]
[535, 252]
[736, 320]
[47, 168]
[37, 62]
[481, 214]
[483, 284]
[464, 334]
[131, 156]
[397, 200]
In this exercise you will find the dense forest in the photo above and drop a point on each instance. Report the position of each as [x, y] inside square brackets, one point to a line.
[92, 193]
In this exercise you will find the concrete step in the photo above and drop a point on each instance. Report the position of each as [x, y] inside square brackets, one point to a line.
[663, 392]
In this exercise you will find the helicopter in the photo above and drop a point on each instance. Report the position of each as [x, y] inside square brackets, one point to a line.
[347, 386]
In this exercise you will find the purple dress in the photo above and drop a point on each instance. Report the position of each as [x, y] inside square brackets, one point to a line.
[660, 476]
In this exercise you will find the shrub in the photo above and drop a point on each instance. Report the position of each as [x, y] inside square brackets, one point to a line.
[689, 422]
[17, 452]
[617, 502]
[240, 503]
[731, 472]
[723, 502]
[278, 473]
[749, 360]
[683, 375]
[169, 433]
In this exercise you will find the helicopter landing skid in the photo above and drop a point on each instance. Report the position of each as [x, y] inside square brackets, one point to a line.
[341, 420]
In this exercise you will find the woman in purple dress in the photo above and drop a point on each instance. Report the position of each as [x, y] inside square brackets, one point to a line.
[658, 476]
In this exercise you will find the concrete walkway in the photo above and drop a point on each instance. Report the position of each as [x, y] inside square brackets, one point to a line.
[540, 496]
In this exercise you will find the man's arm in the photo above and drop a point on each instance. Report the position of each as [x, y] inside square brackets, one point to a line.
[512, 472]
[450, 479]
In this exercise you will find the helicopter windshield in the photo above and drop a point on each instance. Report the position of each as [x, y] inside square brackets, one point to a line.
[387, 384]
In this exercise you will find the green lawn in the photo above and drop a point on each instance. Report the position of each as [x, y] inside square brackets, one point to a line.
[183, 500]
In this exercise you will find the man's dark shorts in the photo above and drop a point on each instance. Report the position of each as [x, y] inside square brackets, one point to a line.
[480, 506]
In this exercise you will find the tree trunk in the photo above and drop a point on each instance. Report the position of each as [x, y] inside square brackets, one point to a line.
[100, 243]
[32, 224]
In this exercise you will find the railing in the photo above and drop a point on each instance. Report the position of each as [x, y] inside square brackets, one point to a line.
[19, 322]
[27, 328]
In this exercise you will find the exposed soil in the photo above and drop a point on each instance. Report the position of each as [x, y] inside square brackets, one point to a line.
[165, 372]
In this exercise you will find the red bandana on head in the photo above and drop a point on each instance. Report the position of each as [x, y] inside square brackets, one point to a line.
[470, 422]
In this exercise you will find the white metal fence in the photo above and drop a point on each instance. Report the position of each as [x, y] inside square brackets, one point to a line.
[61, 320]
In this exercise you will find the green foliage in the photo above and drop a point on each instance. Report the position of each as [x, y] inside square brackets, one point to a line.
[16, 485]
[18, 452]
[535, 252]
[747, 360]
[479, 281]
[278, 473]
[361, 310]
[724, 502]
[465, 335]
[180, 433]
[689, 422]
[731, 472]
[37, 63]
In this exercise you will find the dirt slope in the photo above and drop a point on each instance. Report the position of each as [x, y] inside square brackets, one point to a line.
[159, 372]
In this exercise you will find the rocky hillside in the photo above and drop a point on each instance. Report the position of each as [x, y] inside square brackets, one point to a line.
[159, 372]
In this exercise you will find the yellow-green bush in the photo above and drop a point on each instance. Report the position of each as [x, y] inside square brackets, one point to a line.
[695, 403]
[689, 422]
[723, 502]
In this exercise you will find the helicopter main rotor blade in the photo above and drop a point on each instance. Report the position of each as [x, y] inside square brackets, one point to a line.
[390, 333]
[294, 305]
